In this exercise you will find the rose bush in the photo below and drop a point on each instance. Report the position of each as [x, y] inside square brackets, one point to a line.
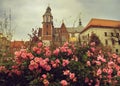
[65, 66]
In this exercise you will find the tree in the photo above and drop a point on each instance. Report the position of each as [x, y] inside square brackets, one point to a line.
[34, 37]
[94, 38]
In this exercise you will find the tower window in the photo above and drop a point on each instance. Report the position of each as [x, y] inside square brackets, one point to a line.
[47, 26]
[46, 33]
[105, 33]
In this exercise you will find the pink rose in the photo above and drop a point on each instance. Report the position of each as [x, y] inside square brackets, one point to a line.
[64, 83]
[24, 55]
[63, 49]
[98, 63]
[111, 64]
[66, 72]
[37, 59]
[30, 55]
[114, 56]
[47, 68]
[56, 52]
[48, 53]
[45, 82]
[72, 75]
[44, 76]
[40, 44]
[92, 44]
[88, 63]
[35, 49]
[86, 80]
[38, 51]
[54, 65]
[69, 51]
[17, 53]
[65, 62]
[35, 65]
[118, 60]
[66, 44]
[88, 54]
[118, 73]
[31, 67]
[99, 71]
[110, 71]
[57, 61]
[93, 49]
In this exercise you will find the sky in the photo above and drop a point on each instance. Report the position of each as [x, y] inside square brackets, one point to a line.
[28, 14]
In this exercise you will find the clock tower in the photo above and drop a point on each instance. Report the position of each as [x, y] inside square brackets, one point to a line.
[48, 29]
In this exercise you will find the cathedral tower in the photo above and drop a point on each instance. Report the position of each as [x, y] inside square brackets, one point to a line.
[47, 30]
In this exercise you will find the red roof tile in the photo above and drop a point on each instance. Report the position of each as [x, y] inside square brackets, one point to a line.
[16, 44]
[102, 23]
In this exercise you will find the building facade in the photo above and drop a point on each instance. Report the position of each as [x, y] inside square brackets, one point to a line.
[108, 32]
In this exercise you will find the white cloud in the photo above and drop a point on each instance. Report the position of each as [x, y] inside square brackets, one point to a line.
[28, 14]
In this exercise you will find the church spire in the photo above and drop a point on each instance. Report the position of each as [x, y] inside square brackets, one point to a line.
[47, 17]
[80, 23]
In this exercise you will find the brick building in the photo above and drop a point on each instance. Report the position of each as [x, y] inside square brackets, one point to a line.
[55, 35]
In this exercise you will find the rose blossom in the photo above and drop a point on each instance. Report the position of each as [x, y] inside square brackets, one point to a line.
[98, 63]
[63, 49]
[69, 51]
[65, 44]
[88, 53]
[37, 59]
[64, 83]
[44, 76]
[30, 55]
[99, 71]
[92, 44]
[65, 62]
[47, 68]
[38, 51]
[114, 56]
[66, 72]
[72, 75]
[93, 49]
[118, 73]
[86, 80]
[24, 55]
[17, 53]
[57, 61]
[88, 63]
[40, 44]
[56, 52]
[111, 64]
[118, 60]
[48, 53]
[110, 71]
[45, 82]
[35, 49]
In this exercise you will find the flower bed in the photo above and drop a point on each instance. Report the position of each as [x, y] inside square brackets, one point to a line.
[65, 66]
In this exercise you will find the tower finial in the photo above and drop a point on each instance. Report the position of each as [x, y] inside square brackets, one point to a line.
[80, 23]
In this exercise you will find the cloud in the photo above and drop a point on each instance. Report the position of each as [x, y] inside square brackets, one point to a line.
[27, 14]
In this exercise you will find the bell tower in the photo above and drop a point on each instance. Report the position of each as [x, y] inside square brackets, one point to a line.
[47, 30]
